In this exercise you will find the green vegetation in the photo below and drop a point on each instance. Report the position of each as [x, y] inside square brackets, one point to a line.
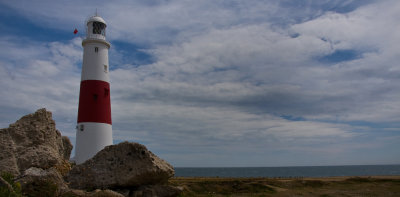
[14, 191]
[264, 187]
[42, 188]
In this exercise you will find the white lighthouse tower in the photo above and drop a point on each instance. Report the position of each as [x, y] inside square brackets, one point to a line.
[94, 130]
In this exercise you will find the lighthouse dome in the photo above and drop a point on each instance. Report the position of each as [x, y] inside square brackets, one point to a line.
[96, 19]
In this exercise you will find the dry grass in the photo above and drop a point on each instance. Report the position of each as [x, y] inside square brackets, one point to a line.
[263, 187]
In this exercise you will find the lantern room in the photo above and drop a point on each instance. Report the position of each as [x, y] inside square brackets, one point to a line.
[96, 28]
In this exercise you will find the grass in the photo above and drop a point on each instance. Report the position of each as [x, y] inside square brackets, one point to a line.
[281, 187]
[42, 188]
[16, 187]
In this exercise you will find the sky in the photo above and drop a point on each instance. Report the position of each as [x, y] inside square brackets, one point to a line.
[219, 83]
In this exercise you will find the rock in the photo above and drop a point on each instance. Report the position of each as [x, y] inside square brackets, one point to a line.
[33, 141]
[120, 166]
[35, 152]
[96, 193]
[39, 182]
[66, 147]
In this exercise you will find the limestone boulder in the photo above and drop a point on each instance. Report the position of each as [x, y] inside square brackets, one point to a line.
[124, 165]
[38, 182]
[33, 141]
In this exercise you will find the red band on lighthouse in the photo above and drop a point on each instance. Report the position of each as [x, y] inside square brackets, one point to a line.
[94, 102]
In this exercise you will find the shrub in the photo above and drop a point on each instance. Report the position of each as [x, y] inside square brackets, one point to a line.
[5, 191]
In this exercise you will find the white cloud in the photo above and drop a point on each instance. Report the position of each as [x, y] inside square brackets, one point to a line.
[368, 28]
[365, 86]
[40, 75]
[253, 65]
[224, 76]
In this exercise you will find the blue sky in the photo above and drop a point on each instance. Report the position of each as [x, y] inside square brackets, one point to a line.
[219, 83]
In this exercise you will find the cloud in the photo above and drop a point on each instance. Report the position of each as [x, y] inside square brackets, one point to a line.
[181, 133]
[36, 75]
[363, 85]
[220, 90]
[167, 22]
[261, 69]
[220, 83]
[365, 28]
[261, 72]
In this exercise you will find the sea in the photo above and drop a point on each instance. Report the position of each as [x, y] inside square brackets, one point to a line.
[290, 172]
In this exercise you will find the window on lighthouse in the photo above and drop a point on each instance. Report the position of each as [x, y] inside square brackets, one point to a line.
[99, 28]
[96, 49]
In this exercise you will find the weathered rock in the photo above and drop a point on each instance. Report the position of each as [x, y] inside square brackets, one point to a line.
[66, 147]
[96, 193]
[123, 165]
[33, 141]
[38, 182]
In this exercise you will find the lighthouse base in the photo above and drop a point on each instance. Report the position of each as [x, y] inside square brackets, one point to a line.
[91, 137]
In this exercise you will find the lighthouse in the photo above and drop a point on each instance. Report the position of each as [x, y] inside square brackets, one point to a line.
[94, 130]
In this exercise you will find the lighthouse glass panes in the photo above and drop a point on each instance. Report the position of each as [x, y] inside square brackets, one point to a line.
[99, 28]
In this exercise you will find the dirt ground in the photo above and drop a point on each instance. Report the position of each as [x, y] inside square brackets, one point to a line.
[281, 187]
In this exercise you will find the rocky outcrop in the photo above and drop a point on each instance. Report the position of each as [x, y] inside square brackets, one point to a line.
[34, 151]
[33, 141]
[125, 165]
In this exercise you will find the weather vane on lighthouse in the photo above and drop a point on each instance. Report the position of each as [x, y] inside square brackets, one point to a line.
[94, 130]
